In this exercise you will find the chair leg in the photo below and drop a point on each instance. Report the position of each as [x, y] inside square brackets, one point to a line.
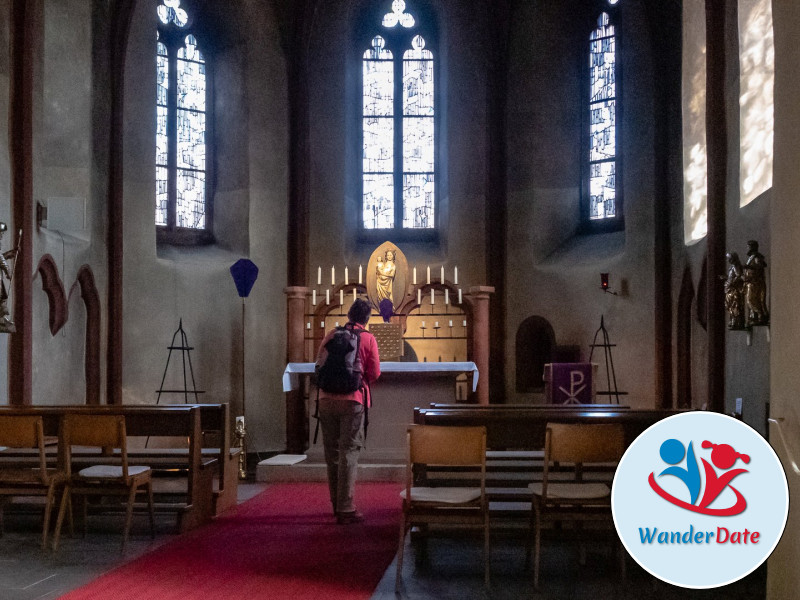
[537, 550]
[48, 508]
[150, 505]
[487, 559]
[65, 500]
[399, 575]
[128, 516]
[70, 515]
[529, 540]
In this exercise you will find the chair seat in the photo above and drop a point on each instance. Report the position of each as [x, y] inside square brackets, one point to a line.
[572, 491]
[446, 495]
[110, 471]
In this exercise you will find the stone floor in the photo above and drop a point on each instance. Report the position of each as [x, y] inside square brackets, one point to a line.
[450, 570]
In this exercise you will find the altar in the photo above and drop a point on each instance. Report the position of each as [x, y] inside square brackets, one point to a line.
[402, 387]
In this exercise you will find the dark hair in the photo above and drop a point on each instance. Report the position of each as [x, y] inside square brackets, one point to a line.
[360, 312]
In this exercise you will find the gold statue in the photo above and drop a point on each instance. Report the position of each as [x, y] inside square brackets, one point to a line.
[755, 286]
[6, 323]
[734, 292]
[385, 270]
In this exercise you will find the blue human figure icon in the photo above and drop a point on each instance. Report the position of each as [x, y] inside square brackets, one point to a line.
[672, 452]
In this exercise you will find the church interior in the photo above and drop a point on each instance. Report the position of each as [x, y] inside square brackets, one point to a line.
[515, 176]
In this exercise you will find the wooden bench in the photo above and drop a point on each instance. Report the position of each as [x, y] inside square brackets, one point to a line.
[195, 501]
[515, 442]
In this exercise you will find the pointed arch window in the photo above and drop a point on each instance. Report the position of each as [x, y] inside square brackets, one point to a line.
[602, 199]
[398, 176]
[182, 206]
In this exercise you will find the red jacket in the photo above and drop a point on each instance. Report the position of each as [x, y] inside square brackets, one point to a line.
[370, 364]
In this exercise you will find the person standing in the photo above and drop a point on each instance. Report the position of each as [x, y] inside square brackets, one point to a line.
[341, 417]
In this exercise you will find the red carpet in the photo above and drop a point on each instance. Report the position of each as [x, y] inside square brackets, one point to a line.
[282, 544]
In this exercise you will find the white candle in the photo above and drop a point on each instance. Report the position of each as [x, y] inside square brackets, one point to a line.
[446, 296]
[314, 297]
[341, 297]
[432, 292]
[429, 275]
[415, 275]
[308, 325]
[322, 324]
[459, 295]
[346, 276]
[436, 325]
[319, 275]
[359, 275]
[464, 323]
[333, 275]
[423, 325]
[337, 324]
[455, 276]
[327, 296]
[451, 322]
[441, 275]
[354, 294]
[419, 296]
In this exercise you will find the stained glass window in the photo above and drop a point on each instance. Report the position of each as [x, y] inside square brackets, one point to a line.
[602, 121]
[398, 150]
[180, 123]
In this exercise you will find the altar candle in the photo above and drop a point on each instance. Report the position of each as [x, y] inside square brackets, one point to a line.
[337, 324]
[451, 322]
[446, 296]
[308, 325]
[432, 300]
[455, 276]
[436, 325]
[459, 295]
[314, 297]
[419, 296]
[423, 325]
[333, 275]
[359, 274]
[354, 294]
[341, 297]
[415, 275]
[441, 276]
[465, 323]
[346, 276]
[429, 275]
[319, 275]
[327, 296]
[322, 324]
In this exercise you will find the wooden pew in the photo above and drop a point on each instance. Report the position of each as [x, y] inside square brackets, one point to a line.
[515, 439]
[530, 406]
[179, 421]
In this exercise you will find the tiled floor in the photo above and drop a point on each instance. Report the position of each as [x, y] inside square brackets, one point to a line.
[452, 569]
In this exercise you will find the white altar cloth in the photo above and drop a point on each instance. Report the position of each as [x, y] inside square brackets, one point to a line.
[291, 380]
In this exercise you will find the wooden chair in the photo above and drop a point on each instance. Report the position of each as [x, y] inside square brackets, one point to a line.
[112, 476]
[20, 479]
[447, 446]
[557, 499]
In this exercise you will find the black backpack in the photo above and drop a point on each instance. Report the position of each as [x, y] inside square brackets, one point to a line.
[338, 367]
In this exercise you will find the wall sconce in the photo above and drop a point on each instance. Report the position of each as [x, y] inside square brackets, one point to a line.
[604, 284]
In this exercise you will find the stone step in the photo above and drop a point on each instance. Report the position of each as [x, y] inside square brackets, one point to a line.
[307, 470]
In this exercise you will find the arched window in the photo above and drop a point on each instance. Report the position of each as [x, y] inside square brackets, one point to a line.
[181, 197]
[398, 176]
[602, 206]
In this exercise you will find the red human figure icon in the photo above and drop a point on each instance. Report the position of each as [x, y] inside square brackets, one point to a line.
[724, 457]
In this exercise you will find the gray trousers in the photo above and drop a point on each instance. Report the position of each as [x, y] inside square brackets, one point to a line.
[342, 437]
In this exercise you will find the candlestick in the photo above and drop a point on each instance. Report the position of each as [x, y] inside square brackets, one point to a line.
[319, 275]
[459, 295]
[419, 297]
[451, 323]
[341, 297]
[333, 275]
[354, 294]
[346, 276]
[422, 326]
[415, 276]
[429, 275]
[359, 275]
[455, 276]
[432, 300]
[441, 276]
[446, 296]
[314, 297]
[327, 296]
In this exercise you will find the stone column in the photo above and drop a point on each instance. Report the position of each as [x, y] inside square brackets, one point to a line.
[296, 418]
[478, 297]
